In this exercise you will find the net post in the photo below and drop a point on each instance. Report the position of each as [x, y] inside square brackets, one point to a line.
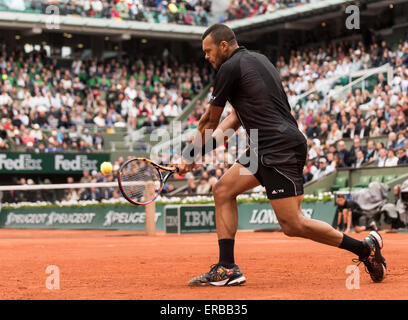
[150, 210]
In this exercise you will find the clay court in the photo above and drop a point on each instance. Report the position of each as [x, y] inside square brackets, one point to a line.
[129, 265]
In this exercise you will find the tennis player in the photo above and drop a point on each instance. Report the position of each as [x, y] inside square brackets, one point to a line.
[252, 85]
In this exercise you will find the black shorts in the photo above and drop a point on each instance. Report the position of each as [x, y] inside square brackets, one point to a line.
[282, 180]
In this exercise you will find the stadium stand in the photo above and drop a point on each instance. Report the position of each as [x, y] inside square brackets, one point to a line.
[41, 101]
[250, 8]
[174, 11]
[348, 97]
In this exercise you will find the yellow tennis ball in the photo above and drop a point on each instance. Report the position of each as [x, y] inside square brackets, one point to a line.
[106, 167]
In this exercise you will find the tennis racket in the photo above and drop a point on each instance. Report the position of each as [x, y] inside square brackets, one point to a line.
[141, 180]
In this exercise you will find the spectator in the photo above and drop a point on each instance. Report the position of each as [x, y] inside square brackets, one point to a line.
[356, 147]
[29, 147]
[334, 134]
[384, 128]
[100, 120]
[374, 129]
[191, 187]
[350, 131]
[323, 169]
[171, 110]
[98, 140]
[84, 147]
[87, 137]
[324, 133]
[203, 187]
[3, 146]
[313, 131]
[332, 161]
[392, 140]
[371, 152]
[91, 194]
[364, 130]
[71, 194]
[360, 159]
[382, 157]
[162, 121]
[402, 157]
[345, 156]
[400, 141]
[307, 175]
[51, 148]
[391, 160]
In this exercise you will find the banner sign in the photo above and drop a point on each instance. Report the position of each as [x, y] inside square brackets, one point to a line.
[251, 216]
[170, 218]
[19, 162]
[103, 217]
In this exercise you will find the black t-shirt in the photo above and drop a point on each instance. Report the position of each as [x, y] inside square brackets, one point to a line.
[351, 205]
[252, 85]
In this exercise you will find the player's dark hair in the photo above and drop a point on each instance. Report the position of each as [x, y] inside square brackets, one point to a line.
[220, 32]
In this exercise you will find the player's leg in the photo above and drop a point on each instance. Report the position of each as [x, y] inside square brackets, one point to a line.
[294, 224]
[225, 193]
[226, 272]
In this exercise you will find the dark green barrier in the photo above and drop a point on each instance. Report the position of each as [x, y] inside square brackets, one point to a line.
[177, 218]
[190, 218]
[251, 216]
[20, 162]
[87, 217]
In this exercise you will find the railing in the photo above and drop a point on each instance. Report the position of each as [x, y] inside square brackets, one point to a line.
[340, 93]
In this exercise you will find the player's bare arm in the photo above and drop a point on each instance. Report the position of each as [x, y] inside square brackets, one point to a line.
[227, 127]
[209, 121]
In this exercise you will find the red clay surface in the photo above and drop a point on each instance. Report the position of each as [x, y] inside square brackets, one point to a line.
[128, 265]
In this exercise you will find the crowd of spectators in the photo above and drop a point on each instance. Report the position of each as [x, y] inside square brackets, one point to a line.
[375, 119]
[47, 108]
[361, 115]
[240, 9]
[186, 12]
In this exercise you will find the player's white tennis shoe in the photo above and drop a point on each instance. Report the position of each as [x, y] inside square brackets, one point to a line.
[219, 276]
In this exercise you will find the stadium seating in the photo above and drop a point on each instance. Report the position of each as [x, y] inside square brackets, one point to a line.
[363, 182]
[389, 178]
[340, 182]
[379, 179]
[319, 191]
[309, 76]
[180, 12]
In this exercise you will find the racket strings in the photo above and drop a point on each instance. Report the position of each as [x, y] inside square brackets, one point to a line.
[141, 181]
